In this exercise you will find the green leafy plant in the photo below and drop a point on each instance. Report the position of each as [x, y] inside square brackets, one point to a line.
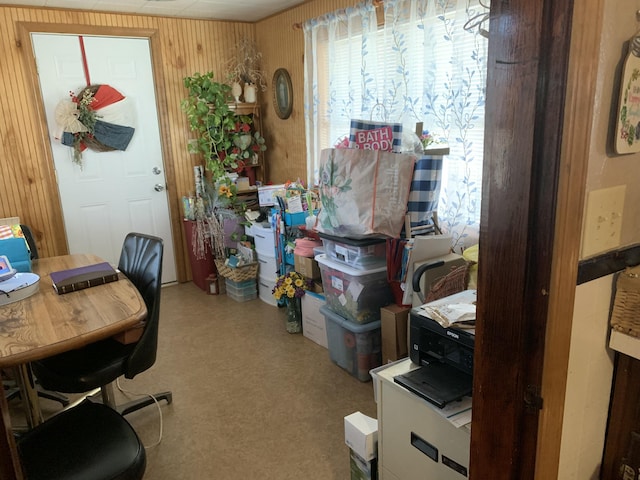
[226, 140]
[211, 119]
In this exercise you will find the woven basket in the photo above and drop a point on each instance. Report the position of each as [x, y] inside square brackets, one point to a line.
[238, 274]
[625, 316]
[455, 281]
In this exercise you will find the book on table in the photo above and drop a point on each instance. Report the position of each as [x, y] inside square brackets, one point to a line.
[73, 279]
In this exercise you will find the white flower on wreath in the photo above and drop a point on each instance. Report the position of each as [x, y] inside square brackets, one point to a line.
[66, 114]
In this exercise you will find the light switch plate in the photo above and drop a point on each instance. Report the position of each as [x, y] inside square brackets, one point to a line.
[603, 220]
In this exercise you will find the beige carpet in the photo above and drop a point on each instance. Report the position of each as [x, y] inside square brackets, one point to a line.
[250, 400]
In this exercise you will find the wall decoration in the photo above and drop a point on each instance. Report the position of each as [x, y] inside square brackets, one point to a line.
[627, 139]
[282, 93]
[98, 117]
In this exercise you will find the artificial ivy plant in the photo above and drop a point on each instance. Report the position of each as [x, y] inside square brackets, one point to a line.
[211, 118]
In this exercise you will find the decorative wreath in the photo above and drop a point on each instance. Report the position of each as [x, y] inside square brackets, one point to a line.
[98, 118]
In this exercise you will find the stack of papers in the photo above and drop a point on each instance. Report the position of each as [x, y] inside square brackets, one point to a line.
[458, 310]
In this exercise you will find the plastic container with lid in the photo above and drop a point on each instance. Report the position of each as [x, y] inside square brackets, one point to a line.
[358, 253]
[356, 348]
[242, 291]
[355, 294]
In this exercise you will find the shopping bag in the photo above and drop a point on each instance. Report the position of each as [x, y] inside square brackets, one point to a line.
[363, 192]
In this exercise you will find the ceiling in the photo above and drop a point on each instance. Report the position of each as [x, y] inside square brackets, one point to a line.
[236, 10]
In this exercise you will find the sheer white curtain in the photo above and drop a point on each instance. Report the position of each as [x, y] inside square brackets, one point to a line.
[419, 65]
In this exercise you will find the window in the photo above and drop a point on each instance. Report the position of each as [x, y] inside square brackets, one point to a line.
[420, 66]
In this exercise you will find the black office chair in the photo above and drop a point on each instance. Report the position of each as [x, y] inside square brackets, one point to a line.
[100, 363]
[31, 241]
[88, 441]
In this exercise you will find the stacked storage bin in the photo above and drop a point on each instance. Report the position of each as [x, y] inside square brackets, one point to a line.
[241, 291]
[264, 240]
[354, 277]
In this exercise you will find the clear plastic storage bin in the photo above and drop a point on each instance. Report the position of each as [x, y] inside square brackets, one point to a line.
[356, 348]
[355, 294]
[361, 254]
[242, 291]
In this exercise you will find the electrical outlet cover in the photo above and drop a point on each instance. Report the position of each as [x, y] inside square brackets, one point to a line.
[603, 220]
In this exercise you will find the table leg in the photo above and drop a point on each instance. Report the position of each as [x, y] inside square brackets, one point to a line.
[28, 394]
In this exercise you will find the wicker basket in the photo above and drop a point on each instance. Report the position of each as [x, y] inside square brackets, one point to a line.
[625, 316]
[237, 274]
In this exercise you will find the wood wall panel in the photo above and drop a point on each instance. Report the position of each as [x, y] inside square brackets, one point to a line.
[282, 46]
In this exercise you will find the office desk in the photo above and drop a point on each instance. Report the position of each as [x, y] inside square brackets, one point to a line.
[46, 324]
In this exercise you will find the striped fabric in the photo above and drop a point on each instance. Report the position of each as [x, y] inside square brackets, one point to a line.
[5, 232]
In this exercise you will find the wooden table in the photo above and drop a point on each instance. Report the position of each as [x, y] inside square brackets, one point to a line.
[46, 324]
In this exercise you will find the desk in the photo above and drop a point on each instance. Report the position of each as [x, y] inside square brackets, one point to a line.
[46, 324]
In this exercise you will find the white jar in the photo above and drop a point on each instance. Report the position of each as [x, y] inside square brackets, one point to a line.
[250, 93]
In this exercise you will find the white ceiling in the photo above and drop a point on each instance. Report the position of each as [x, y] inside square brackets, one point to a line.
[238, 10]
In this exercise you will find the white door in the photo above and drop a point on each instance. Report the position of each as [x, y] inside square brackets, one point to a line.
[116, 192]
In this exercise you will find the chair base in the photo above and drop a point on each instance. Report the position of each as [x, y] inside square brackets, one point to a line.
[13, 391]
[108, 398]
[135, 405]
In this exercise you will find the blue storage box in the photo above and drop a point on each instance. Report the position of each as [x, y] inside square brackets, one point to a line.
[295, 219]
[17, 252]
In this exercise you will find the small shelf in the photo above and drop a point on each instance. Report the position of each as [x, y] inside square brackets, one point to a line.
[623, 343]
[253, 110]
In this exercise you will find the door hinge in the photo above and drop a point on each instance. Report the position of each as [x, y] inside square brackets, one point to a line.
[532, 398]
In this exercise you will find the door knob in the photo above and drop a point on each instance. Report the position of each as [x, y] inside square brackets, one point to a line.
[156, 171]
[158, 187]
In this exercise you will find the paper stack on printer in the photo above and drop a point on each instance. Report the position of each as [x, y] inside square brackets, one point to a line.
[457, 310]
[15, 285]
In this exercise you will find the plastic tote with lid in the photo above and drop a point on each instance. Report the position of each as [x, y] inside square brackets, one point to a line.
[355, 294]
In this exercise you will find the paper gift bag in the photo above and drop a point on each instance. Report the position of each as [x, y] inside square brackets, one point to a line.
[363, 192]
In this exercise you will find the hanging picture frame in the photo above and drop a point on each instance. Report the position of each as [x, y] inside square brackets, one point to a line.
[282, 93]
[627, 135]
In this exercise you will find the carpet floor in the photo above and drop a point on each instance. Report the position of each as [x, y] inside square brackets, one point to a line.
[250, 401]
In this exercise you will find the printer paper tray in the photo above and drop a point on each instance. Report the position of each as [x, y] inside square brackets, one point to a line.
[437, 383]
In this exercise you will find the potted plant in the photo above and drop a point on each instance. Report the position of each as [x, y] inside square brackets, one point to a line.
[226, 140]
[210, 116]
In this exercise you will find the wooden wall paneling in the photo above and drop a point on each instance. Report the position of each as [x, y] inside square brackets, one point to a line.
[286, 154]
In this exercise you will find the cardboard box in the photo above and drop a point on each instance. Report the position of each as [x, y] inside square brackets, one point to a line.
[314, 325]
[306, 266]
[316, 287]
[361, 435]
[394, 331]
